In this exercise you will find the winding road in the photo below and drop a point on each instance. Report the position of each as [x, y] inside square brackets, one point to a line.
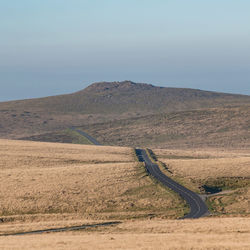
[198, 208]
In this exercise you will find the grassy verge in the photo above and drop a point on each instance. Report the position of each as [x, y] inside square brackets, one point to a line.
[182, 207]
[61, 136]
[76, 137]
[233, 202]
[163, 167]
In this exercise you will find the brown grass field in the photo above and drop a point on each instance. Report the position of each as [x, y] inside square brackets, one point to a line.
[49, 185]
[88, 182]
[207, 233]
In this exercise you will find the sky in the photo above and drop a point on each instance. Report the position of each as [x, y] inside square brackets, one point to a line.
[50, 47]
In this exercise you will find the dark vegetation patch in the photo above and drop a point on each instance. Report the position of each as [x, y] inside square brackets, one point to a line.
[211, 189]
[225, 183]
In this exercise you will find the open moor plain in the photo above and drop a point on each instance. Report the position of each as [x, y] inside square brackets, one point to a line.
[51, 185]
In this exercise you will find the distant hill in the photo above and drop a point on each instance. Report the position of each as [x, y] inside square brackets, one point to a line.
[122, 107]
[128, 97]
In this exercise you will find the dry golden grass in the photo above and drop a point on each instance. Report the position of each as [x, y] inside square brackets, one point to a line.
[206, 164]
[226, 169]
[93, 182]
[48, 185]
[207, 233]
[25, 154]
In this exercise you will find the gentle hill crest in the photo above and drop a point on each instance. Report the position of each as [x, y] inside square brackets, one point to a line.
[127, 96]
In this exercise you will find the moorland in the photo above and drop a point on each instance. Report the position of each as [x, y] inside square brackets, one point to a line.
[51, 176]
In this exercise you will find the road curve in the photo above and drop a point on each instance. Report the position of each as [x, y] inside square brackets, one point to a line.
[198, 208]
[90, 138]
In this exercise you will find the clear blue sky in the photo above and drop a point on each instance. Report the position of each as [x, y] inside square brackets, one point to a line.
[50, 47]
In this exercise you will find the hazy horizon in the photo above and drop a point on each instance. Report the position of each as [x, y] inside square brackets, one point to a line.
[56, 47]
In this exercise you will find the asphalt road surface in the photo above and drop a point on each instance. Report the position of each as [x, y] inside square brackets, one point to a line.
[198, 208]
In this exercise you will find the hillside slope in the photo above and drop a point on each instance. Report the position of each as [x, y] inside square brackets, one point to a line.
[217, 127]
[115, 104]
